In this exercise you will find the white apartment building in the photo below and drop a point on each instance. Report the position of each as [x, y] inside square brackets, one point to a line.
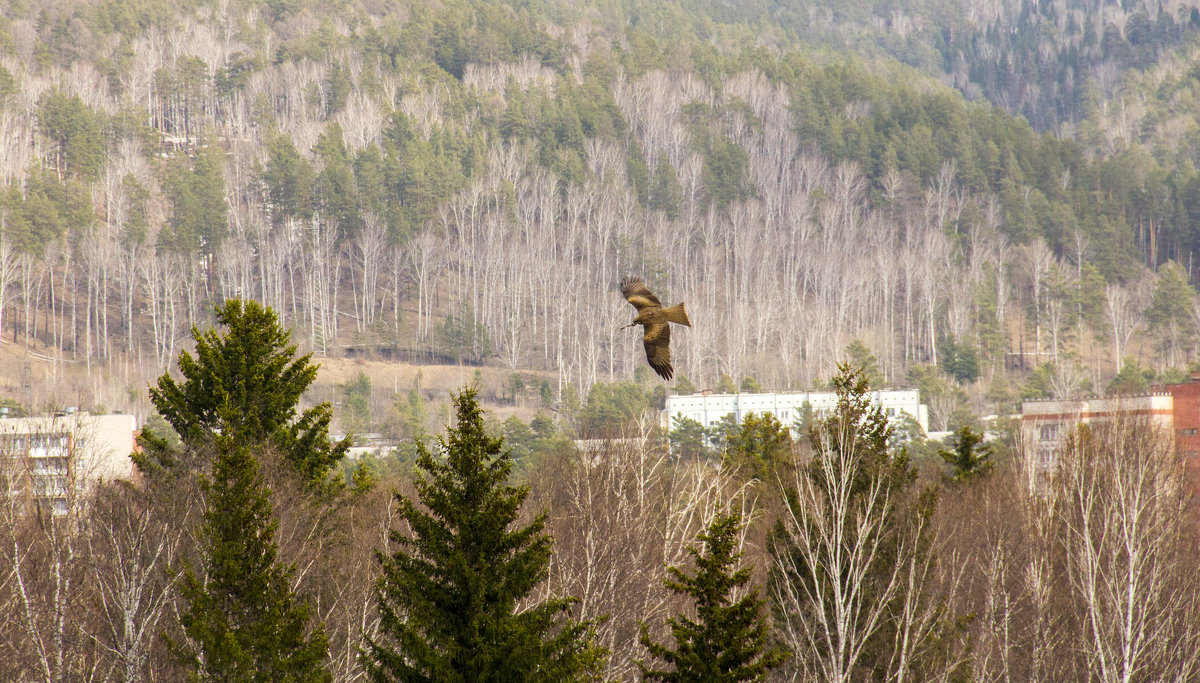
[47, 460]
[708, 408]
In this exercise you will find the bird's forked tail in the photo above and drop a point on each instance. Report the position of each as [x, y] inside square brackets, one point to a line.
[677, 315]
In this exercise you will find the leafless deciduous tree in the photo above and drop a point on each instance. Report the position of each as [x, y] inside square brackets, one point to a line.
[134, 543]
[853, 576]
[368, 253]
[8, 270]
[44, 595]
[1128, 544]
[620, 513]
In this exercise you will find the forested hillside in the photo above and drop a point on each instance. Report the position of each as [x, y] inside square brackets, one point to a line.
[467, 181]
[262, 226]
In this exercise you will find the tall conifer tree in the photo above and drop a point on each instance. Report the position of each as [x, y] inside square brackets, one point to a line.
[727, 641]
[449, 594]
[252, 368]
[242, 619]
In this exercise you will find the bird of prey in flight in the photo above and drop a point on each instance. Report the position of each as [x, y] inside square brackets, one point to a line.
[653, 318]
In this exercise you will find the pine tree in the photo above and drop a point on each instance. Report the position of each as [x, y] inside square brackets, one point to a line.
[759, 447]
[253, 370]
[728, 639]
[242, 619]
[449, 594]
[969, 456]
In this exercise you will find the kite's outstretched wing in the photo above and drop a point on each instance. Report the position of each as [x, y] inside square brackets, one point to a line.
[636, 293]
[657, 341]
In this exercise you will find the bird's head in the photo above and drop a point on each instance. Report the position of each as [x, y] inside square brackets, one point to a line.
[642, 318]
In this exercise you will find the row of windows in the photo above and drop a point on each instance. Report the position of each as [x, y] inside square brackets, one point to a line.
[1050, 432]
[783, 416]
[35, 444]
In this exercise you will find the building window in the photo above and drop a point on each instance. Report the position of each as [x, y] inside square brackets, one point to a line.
[1191, 431]
[1048, 432]
[1046, 458]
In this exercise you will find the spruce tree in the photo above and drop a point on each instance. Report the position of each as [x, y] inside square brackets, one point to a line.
[727, 641]
[242, 619]
[970, 456]
[252, 369]
[449, 594]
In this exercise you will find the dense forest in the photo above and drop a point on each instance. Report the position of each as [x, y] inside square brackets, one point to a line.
[466, 182]
[249, 549]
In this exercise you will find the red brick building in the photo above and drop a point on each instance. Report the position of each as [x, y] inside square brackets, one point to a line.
[1185, 415]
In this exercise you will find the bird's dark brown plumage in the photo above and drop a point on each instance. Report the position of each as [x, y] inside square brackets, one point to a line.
[654, 319]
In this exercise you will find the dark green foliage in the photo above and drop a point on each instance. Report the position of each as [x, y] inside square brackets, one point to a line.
[363, 478]
[516, 384]
[409, 414]
[289, 180]
[414, 174]
[658, 397]
[45, 211]
[861, 357]
[1169, 315]
[750, 385]
[234, 75]
[338, 88]
[804, 418]
[525, 441]
[969, 455]
[1130, 380]
[133, 231]
[199, 215]
[335, 192]
[959, 359]
[244, 384]
[75, 132]
[759, 447]
[688, 438]
[13, 408]
[945, 398]
[356, 404]
[666, 194]
[449, 594]
[612, 408]
[8, 85]
[463, 338]
[906, 432]
[519, 438]
[1040, 383]
[726, 165]
[727, 639]
[242, 619]
[725, 385]
[639, 175]
[683, 385]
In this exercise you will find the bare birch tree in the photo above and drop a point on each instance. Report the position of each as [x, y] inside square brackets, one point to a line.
[620, 512]
[851, 564]
[1129, 542]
